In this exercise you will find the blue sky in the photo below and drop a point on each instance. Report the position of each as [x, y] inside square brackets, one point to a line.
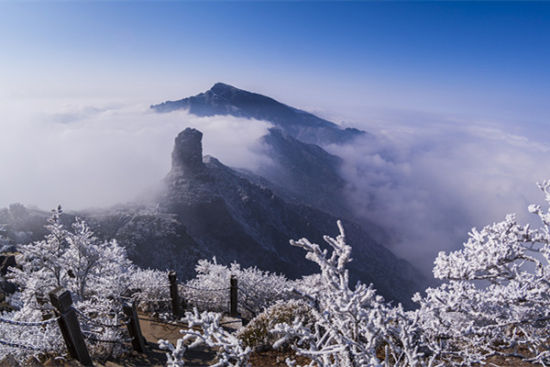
[488, 60]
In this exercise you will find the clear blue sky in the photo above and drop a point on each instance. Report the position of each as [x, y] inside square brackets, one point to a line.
[489, 59]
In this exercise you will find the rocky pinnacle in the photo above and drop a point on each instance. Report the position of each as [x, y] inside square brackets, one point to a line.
[187, 154]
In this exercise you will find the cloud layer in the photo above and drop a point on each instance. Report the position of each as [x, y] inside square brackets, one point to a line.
[429, 179]
[96, 155]
[426, 179]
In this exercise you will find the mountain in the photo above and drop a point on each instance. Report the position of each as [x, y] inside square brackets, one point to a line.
[301, 174]
[223, 99]
[206, 209]
[307, 172]
[237, 219]
[298, 168]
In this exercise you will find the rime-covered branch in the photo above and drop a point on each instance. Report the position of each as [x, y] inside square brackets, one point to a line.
[205, 328]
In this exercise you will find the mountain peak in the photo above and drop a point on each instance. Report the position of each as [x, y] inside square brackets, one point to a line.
[225, 91]
[222, 87]
[187, 154]
[224, 99]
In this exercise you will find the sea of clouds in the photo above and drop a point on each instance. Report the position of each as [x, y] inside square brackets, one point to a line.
[84, 155]
[426, 179]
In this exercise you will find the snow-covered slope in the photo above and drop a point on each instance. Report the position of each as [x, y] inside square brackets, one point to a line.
[239, 220]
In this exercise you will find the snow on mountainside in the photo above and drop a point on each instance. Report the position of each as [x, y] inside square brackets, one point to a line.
[238, 220]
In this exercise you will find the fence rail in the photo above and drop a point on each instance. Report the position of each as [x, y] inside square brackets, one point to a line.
[205, 289]
[21, 346]
[95, 322]
[18, 345]
[24, 323]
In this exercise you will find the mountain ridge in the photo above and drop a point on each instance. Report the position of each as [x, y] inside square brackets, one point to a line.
[224, 99]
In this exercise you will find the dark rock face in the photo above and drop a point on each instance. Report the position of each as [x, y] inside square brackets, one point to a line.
[6, 261]
[187, 153]
[235, 219]
[223, 99]
[6, 287]
[306, 170]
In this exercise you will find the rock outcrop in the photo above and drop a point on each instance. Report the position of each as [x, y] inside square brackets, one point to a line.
[187, 153]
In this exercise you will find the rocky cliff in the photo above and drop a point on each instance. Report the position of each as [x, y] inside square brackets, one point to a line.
[237, 219]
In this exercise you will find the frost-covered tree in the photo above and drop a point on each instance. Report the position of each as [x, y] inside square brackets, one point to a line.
[496, 298]
[75, 260]
[96, 272]
[352, 325]
[258, 289]
[150, 289]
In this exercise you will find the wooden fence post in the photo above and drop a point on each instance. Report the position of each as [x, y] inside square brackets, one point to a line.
[134, 329]
[70, 328]
[172, 277]
[233, 297]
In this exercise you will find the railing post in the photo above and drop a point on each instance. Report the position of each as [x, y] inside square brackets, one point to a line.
[70, 328]
[134, 329]
[172, 277]
[233, 297]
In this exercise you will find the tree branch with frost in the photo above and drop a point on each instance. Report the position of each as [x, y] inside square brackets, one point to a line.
[175, 354]
[351, 325]
[477, 321]
[95, 272]
[204, 328]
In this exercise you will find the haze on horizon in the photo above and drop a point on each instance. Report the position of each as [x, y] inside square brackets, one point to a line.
[456, 93]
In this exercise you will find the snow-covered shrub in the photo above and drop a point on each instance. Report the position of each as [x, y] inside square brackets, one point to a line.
[205, 328]
[496, 298]
[150, 289]
[96, 273]
[33, 339]
[257, 289]
[351, 325]
[75, 260]
[258, 333]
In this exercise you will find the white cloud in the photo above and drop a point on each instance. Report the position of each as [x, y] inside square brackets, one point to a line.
[102, 154]
[428, 179]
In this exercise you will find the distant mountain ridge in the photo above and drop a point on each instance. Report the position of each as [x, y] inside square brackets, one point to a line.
[224, 99]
